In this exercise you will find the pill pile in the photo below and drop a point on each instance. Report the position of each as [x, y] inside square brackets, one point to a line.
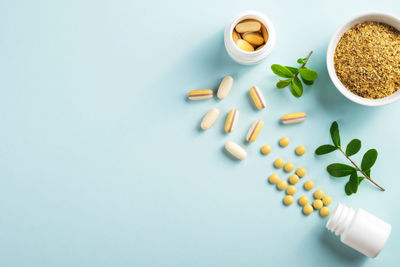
[245, 28]
[250, 35]
[321, 201]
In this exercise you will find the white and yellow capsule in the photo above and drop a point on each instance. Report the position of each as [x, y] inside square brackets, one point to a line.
[200, 94]
[293, 117]
[209, 119]
[254, 131]
[257, 97]
[231, 120]
[244, 45]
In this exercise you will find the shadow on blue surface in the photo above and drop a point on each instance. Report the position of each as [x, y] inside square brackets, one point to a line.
[340, 250]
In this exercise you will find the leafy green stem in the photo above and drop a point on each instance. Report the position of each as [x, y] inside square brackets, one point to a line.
[303, 65]
[358, 168]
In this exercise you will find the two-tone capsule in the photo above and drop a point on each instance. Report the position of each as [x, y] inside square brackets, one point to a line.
[257, 97]
[235, 150]
[231, 120]
[254, 130]
[209, 119]
[293, 118]
[200, 94]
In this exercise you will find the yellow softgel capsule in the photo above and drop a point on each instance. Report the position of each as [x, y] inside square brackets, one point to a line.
[293, 118]
[293, 179]
[264, 33]
[253, 38]
[288, 200]
[260, 47]
[308, 209]
[284, 141]
[235, 35]
[248, 26]
[266, 149]
[289, 166]
[303, 200]
[308, 185]
[254, 131]
[324, 211]
[300, 150]
[281, 185]
[273, 178]
[231, 120]
[244, 45]
[279, 162]
[301, 172]
[291, 190]
[327, 200]
[200, 94]
[317, 204]
[318, 194]
[257, 97]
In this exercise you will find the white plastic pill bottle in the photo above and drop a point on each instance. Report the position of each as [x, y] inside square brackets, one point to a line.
[359, 229]
[244, 57]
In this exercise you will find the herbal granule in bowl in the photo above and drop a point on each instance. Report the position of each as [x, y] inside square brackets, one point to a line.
[363, 59]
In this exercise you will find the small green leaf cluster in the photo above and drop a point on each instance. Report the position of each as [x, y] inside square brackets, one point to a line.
[343, 170]
[292, 76]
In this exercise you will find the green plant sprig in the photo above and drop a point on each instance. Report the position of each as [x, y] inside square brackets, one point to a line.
[343, 170]
[296, 86]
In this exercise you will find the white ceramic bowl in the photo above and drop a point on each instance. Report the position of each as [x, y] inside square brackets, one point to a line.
[379, 17]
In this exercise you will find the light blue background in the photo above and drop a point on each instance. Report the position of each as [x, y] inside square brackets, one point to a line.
[102, 162]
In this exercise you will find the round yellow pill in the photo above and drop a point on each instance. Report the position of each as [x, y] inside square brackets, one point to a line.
[279, 163]
[288, 200]
[293, 179]
[318, 194]
[281, 185]
[273, 178]
[303, 200]
[266, 149]
[317, 204]
[327, 200]
[284, 141]
[324, 211]
[300, 150]
[291, 190]
[289, 167]
[308, 209]
[301, 172]
[308, 185]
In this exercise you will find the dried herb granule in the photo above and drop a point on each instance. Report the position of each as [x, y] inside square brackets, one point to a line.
[367, 60]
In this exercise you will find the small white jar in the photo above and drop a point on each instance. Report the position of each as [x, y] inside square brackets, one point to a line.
[359, 229]
[244, 57]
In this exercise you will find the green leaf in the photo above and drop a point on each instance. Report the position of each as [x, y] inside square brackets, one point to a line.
[308, 74]
[368, 172]
[353, 147]
[281, 71]
[283, 83]
[354, 182]
[325, 149]
[340, 169]
[335, 133]
[369, 159]
[360, 179]
[307, 82]
[347, 189]
[292, 69]
[300, 61]
[296, 87]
